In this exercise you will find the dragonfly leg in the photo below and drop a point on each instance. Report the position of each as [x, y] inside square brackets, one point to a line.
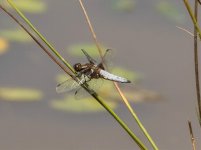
[79, 74]
[82, 81]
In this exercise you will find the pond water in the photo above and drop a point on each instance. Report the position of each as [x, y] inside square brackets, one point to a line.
[146, 42]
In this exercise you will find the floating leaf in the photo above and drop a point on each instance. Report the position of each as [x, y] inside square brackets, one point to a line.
[170, 11]
[90, 48]
[20, 94]
[124, 5]
[143, 95]
[108, 92]
[78, 106]
[139, 95]
[18, 35]
[30, 6]
[3, 45]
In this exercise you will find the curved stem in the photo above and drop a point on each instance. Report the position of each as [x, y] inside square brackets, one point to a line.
[196, 62]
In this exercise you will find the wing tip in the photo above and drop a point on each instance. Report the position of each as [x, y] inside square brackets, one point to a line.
[83, 50]
[57, 89]
[128, 81]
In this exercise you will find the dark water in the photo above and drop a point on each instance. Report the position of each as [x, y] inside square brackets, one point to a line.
[146, 42]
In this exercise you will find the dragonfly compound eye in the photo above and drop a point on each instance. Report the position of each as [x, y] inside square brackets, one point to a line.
[77, 67]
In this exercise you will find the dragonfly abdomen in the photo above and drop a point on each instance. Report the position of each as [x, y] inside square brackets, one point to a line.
[109, 76]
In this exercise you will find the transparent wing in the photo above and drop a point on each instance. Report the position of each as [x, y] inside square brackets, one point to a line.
[81, 93]
[94, 85]
[108, 54]
[89, 58]
[67, 86]
[107, 59]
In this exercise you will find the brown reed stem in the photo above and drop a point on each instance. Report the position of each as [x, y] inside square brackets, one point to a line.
[91, 29]
[192, 136]
[196, 62]
[199, 2]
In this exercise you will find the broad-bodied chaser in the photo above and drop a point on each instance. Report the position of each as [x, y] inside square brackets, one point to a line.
[87, 72]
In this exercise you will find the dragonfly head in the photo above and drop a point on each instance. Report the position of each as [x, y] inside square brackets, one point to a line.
[77, 67]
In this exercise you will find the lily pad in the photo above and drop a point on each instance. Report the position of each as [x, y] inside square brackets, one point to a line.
[109, 93]
[85, 105]
[90, 48]
[30, 6]
[139, 95]
[3, 45]
[17, 35]
[20, 94]
[170, 11]
[124, 5]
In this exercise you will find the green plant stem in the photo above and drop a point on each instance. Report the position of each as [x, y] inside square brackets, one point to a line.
[115, 116]
[40, 35]
[192, 17]
[123, 125]
[138, 121]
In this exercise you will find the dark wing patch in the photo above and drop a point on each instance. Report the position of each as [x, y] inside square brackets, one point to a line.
[106, 61]
[89, 58]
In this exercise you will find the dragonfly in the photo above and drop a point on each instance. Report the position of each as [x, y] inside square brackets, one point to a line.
[87, 72]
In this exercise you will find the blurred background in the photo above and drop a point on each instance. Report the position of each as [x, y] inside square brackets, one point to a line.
[149, 50]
